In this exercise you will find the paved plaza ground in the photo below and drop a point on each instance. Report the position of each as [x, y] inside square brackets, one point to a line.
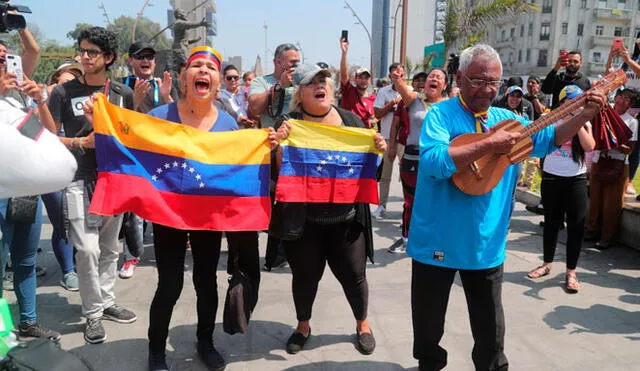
[547, 329]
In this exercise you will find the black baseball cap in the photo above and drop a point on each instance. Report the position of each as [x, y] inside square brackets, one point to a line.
[139, 46]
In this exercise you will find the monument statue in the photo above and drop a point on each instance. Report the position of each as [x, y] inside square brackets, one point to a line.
[181, 44]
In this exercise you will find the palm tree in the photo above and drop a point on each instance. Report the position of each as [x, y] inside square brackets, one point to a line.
[466, 21]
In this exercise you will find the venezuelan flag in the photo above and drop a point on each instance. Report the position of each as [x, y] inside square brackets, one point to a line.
[179, 176]
[323, 163]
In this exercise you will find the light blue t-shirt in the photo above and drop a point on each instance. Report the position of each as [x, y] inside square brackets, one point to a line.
[448, 227]
[263, 83]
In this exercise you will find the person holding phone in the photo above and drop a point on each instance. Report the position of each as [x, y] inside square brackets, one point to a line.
[355, 96]
[556, 81]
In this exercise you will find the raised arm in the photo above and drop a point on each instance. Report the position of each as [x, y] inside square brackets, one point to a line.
[344, 67]
[31, 53]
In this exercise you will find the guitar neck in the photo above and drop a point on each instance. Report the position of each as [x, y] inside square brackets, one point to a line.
[608, 83]
[554, 116]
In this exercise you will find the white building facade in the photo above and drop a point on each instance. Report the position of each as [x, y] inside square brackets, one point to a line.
[530, 44]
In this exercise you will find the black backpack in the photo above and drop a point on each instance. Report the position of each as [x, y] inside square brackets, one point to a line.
[42, 355]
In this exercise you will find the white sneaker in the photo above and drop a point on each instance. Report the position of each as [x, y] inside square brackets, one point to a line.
[630, 190]
[128, 268]
[380, 212]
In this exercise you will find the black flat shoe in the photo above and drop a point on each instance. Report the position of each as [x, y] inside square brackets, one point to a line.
[366, 343]
[296, 342]
[211, 358]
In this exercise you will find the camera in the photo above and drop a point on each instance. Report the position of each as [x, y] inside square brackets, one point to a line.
[11, 21]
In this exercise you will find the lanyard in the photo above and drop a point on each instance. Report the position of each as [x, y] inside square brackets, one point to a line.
[105, 91]
[152, 81]
[480, 117]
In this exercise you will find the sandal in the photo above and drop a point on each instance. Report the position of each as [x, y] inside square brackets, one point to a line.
[572, 284]
[541, 271]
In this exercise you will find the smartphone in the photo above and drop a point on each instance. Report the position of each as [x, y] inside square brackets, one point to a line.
[618, 44]
[14, 65]
[564, 55]
[345, 35]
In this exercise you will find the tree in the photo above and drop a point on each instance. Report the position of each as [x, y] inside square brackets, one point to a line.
[46, 67]
[466, 23]
[14, 42]
[145, 29]
[73, 34]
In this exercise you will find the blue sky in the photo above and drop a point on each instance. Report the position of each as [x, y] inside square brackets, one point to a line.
[315, 24]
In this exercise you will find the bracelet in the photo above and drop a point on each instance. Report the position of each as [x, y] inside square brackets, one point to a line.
[80, 144]
[73, 140]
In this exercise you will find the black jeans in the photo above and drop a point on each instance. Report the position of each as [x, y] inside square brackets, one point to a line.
[343, 247]
[170, 247]
[430, 288]
[564, 196]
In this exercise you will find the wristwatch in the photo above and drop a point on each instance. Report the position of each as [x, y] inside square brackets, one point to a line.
[44, 95]
[277, 86]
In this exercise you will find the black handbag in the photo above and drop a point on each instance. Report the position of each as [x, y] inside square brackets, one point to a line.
[22, 209]
[242, 297]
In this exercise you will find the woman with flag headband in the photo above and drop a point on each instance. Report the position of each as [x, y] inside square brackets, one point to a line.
[199, 84]
[333, 225]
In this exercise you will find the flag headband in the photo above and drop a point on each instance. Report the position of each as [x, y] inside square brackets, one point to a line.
[204, 52]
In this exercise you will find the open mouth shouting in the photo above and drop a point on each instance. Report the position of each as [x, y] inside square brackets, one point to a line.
[320, 95]
[202, 85]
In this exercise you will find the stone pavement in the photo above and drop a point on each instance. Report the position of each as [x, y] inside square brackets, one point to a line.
[547, 329]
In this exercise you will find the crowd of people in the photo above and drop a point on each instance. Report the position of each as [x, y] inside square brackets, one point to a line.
[51, 127]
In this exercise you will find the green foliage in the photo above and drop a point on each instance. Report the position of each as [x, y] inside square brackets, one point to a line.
[73, 34]
[465, 23]
[145, 29]
[46, 67]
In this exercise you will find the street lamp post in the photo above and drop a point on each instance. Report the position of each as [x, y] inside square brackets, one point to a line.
[347, 6]
[395, 26]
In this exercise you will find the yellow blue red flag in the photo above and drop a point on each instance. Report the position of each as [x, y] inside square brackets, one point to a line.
[324, 163]
[179, 176]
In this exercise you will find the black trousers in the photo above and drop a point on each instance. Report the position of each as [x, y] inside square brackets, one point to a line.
[564, 195]
[430, 288]
[170, 247]
[343, 247]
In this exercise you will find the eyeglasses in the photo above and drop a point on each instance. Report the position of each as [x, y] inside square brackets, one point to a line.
[481, 83]
[140, 57]
[232, 77]
[92, 53]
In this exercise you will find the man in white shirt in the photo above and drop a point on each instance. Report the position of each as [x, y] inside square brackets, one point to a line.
[606, 187]
[386, 103]
[234, 96]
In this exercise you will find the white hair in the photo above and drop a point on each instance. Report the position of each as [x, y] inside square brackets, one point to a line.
[478, 50]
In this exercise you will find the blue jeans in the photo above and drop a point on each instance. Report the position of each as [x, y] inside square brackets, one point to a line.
[22, 240]
[62, 248]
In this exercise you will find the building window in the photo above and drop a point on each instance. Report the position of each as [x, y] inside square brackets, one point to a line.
[546, 6]
[512, 33]
[528, 57]
[545, 31]
[622, 4]
[599, 30]
[530, 31]
[617, 31]
[602, 4]
[504, 35]
[583, 4]
[519, 56]
[565, 28]
[636, 33]
[542, 58]
[580, 29]
[567, 3]
[597, 57]
[522, 31]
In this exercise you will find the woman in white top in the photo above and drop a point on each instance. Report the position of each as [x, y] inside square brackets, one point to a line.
[564, 190]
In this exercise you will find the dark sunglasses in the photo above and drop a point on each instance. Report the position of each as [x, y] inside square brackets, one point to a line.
[140, 57]
[232, 77]
[92, 53]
